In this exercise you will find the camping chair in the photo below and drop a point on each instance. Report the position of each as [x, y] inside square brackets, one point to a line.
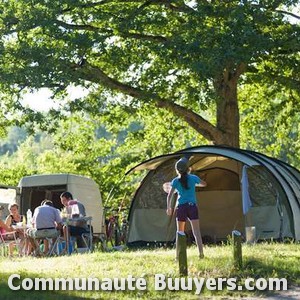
[87, 238]
[53, 244]
[6, 240]
[82, 235]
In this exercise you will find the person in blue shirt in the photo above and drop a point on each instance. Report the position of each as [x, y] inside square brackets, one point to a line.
[184, 184]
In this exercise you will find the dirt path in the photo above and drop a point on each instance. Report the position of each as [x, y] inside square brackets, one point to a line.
[293, 293]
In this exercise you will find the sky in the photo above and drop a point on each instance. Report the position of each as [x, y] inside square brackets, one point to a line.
[41, 100]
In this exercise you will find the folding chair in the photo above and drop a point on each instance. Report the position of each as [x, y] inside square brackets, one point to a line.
[82, 235]
[6, 240]
[53, 244]
[87, 238]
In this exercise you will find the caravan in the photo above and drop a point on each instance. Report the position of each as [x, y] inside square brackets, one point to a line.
[33, 189]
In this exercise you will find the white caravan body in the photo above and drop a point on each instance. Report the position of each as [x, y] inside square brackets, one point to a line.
[36, 188]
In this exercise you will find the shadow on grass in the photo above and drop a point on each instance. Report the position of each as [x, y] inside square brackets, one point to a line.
[7, 293]
[272, 269]
[269, 270]
[57, 292]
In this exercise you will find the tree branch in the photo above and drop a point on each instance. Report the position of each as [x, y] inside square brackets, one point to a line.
[202, 126]
[288, 13]
[76, 26]
[88, 5]
[181, 8]
[167, 3]
[139, 36]
[96, 75]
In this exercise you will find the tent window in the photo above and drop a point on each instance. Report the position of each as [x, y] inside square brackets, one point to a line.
[262, 187]
[151, 192]
[219, 179]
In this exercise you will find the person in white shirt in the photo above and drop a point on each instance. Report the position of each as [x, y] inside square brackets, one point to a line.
[77, 227]
[46, 223]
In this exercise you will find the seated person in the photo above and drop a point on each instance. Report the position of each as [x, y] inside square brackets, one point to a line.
[4, 230]
[12, 219]
[76, 228]
[46, 222]
[3, 227]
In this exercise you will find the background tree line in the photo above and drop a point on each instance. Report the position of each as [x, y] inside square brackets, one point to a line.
[161, 76]
[105, 147]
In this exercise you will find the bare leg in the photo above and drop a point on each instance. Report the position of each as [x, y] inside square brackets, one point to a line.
[28, 247]
[22, 247]
[11, 247]
[33, 244]
[46, 246]
[29, 243]
[66, 238]
[180, 227]
[197, 234]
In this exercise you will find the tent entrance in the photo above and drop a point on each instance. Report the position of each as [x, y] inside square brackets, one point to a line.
[220, 212]
[220, 205]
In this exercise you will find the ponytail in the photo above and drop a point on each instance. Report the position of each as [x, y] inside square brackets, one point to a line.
[184, 180]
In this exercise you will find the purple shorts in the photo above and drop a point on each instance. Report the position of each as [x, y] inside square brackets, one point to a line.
[187, 210]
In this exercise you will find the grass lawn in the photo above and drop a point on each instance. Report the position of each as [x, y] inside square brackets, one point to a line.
[261, 260]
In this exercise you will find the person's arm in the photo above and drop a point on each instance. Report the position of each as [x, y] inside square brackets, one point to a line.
[202, 183]
[7, 228]
[59, 226]
[169, 201]
[81, 209]
[8, 220]
[33, 220]
[58, 219]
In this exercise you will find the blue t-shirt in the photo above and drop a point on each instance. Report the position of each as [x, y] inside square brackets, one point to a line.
[186, 195]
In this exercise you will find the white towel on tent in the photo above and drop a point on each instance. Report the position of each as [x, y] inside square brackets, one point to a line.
[245, 191]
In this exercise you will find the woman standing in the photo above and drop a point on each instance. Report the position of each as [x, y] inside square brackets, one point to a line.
[184, 184]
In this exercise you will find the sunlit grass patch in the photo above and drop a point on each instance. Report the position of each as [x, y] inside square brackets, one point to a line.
[261, 260]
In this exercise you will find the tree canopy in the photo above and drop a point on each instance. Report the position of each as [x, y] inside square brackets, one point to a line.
[271, 127]
[182, 56]
[98, 147]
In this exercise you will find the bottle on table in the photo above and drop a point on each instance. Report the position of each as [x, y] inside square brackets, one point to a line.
[29, 218]
[23, 221]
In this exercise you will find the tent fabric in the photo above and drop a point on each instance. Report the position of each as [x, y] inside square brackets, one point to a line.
[272, 205]
[245, 191]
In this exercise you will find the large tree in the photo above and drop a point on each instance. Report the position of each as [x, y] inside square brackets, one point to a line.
[183, 56]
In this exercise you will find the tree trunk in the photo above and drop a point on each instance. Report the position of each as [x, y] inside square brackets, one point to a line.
[228, 118]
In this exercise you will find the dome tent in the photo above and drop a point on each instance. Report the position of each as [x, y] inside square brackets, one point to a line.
[244, 189]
